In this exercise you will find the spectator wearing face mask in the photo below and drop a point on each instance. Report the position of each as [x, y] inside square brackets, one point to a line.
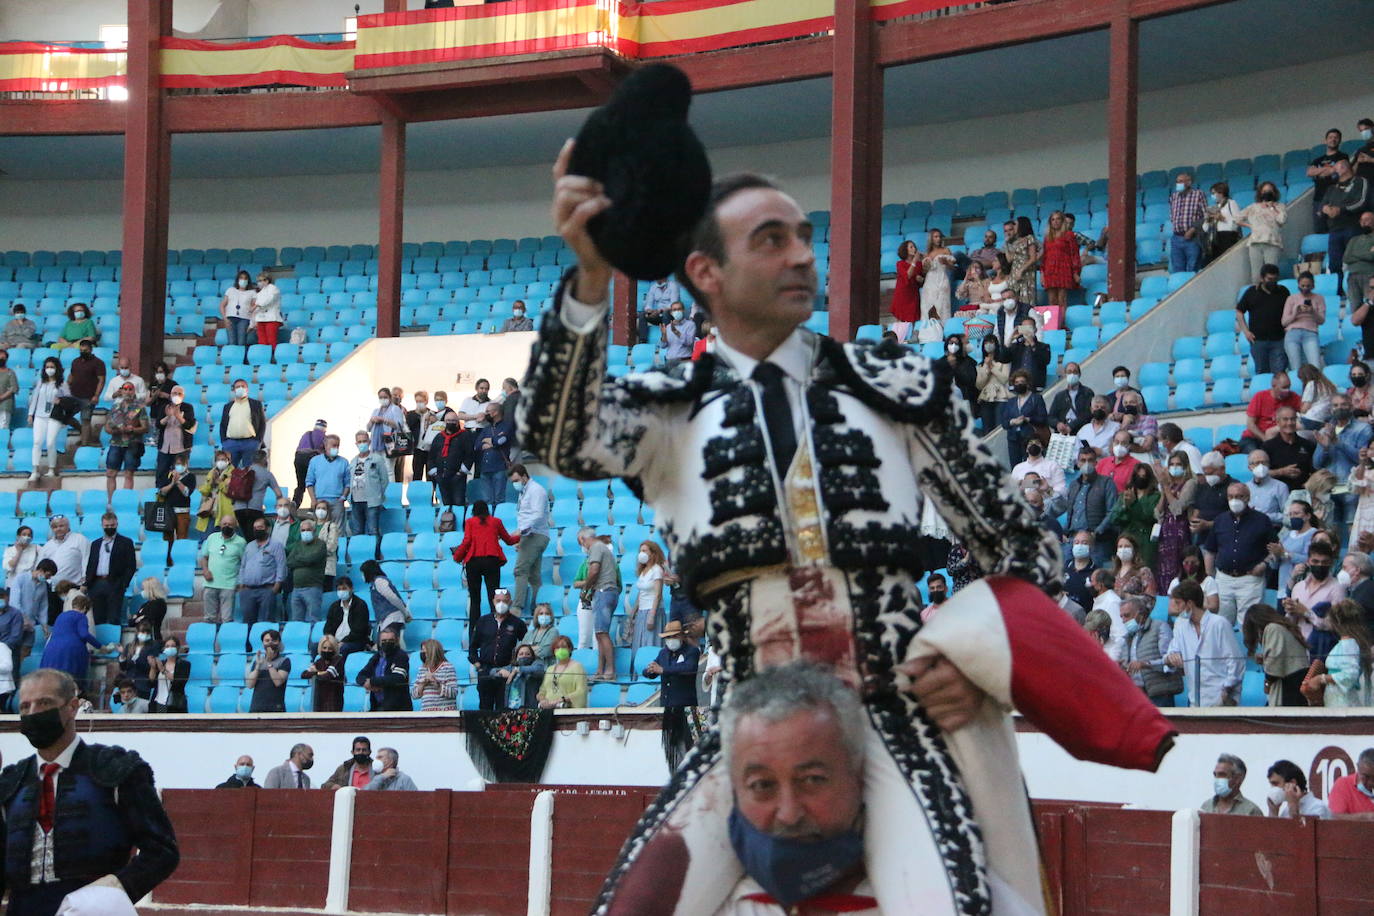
[1359, 266]
[1339, 446]
[677, 664]
[1036, 462]
[1259, 318]
[330, 532]
[327, 673]
[1022, 414]
[1235, 552]
[1262, 412]
[242, 424]
[492, 646]
[436, 682]
[221, 558]
[265, 312]
[1293, 541]
[168, 673]
[356, 771]
[214, 493]
[1098, 432]
[243, 775]
[386, 418]
[261, 575]
[176, 493]
[236, 308]
[541, 636]
[1177, 488]
[388, 606]
[1120, 465]
[1046, 509]
[1227, 777]
[964, 368]
[646, 616]
[80, 326]
[1303, 313]
[1029, 354]
[348, 620]
[126, 424]
[1352, 795]
[1288, 795]
[1222, 220]
[305, 560]
[1072, 408]
[679, 334]
[47, 392]
[327, 479]
[20, 333]
[452, 455]
[1268, 494]
[176, 423]
[1308, 598]
[522, 679]
[565, 681]
[518, 321]
[284, 528]
[1133, 516]
[1121, 386]
[369, 474]
[20, 557]
[1147, 645]
[991, 379]
[9, 390]
[938, 589]
[1088, 501]
[1204, 648]
[386, 776]
[386, 676]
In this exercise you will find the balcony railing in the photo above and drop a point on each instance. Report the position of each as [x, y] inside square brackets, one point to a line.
[631, 29]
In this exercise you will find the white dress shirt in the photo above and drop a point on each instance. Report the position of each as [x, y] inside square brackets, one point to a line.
[1110, 602]
[41, 868]
[118, 381]
[1212, 658]
[1100, 439]
[794, 356]
[532, 511]
[1050, 471]
[69, 554]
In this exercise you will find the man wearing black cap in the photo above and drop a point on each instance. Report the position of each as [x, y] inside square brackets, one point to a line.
[818, 460]
[311, 444]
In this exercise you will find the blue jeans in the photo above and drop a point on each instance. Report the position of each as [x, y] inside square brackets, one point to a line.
[238, 331]
[1336, 241]
[241, 451]
[1267, 356]
[305, 603]
[603, 608]
[257, 602]
[494, 487]
[1184, 254]
[1302, 348]
[366, 519]
[1342, 514]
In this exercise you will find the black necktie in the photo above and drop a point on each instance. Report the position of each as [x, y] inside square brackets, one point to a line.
[300, 779]
[777, 415]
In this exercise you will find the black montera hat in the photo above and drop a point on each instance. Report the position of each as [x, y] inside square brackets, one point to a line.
[653, 168]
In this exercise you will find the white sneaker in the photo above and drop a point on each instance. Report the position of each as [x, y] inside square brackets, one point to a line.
[34, 477]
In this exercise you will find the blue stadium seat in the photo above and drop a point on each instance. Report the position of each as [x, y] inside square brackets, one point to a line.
[1188, 370]
[1153, 374]
[1190, 396]
[1228, 391]
[1187, 347]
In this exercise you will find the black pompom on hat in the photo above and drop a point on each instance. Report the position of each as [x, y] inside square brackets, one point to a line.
[652, 167]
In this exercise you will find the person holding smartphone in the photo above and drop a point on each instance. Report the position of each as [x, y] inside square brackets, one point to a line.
[1303, 313]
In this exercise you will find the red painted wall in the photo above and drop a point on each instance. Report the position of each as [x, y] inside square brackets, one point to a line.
[468, 852]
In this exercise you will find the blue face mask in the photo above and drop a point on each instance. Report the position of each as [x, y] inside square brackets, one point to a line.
[1360, 786]
[244, 772]
[791, 871]
[1132, 628]
[169, 652]
[363, 447]
[307, 536]
[1179, 186]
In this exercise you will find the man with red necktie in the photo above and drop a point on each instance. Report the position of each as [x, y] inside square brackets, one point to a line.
[73, 813]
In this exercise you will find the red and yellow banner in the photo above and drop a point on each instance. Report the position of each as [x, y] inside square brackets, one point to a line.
[491, 30]
[883, 10]
[191, 64]
[27, 66]
[689, 26]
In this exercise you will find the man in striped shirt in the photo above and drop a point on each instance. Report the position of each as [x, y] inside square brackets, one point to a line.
[1187, 207]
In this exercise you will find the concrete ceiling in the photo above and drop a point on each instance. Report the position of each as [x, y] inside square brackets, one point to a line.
[1228, 40]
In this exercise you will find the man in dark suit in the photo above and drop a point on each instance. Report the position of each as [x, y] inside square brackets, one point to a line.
[677, 662]
[1028, 353]
[110, 566]
[1072, 407]
[386, 676]
[493, 645]
[74, 812]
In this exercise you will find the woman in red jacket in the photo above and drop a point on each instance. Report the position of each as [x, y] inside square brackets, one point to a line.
[906, 295]
[481, 552]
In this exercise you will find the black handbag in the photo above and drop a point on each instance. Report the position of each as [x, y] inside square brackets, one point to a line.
[158, 516]
[397, 443]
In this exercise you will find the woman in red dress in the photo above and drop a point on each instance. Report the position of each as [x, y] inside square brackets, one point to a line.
[906, 297]
[1061, 264]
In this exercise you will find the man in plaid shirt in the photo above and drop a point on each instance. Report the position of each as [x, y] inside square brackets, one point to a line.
[1187, 207]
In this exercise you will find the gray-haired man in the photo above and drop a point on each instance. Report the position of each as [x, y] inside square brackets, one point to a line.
[1227, 777]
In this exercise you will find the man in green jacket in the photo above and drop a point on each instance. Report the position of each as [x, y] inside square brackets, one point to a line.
[1359, 259]
[305, 561]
